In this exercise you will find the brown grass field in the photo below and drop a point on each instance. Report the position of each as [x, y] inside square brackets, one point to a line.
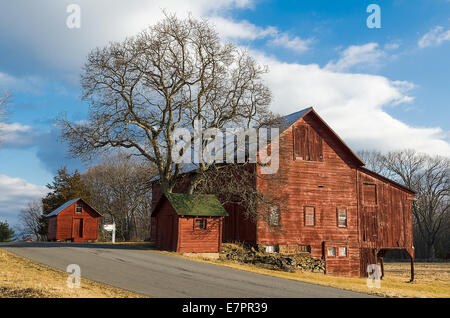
[22, 278]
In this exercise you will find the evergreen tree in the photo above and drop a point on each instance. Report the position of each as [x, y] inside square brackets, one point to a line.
[65, 187]
[6, 233]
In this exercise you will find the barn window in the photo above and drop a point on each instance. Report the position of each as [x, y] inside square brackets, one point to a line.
[331, 251]
[307, 144]
[343, 251]
[201, 224]
[342, 218]
[304, 248]
[274, 216]
[369, 193]
[79, 207]
[310, 216]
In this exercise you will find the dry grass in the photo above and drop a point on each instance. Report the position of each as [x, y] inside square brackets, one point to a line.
[22, 278]
[432, 280]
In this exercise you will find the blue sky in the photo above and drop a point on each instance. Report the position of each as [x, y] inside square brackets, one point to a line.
[383, 89]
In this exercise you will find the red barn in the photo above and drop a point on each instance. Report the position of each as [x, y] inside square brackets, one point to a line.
[335, 209]
[188, 223]
[74, 221]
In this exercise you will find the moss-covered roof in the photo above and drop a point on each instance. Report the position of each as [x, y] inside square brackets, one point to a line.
[196, 204]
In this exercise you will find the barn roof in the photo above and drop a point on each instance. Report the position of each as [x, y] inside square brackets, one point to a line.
[284, 123]
[289, 120]
[195, 204]
[66, 205]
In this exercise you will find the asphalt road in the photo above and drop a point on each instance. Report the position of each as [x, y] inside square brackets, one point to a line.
[158, 275]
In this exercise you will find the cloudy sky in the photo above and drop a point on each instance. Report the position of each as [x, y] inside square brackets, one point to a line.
[382, 89]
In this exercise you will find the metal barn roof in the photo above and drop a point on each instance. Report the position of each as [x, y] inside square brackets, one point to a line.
[62, 207]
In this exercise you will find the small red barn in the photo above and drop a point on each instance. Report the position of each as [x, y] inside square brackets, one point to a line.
[189, 223]
[74, 221]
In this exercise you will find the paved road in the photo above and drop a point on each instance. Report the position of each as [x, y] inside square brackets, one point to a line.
[158, 275]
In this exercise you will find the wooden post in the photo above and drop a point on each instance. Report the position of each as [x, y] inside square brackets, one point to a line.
[412, 268]
[382, 267]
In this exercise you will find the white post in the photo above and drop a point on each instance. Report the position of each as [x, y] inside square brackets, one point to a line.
[114, 233]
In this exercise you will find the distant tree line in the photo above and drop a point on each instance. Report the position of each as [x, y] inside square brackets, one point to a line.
[118, 188]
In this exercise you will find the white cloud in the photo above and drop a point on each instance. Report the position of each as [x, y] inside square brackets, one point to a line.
[294, 43]
[24, 84]
[16, 135]
[244, 30]
[15, 194]
[353, 104]
[434, 38]
[363, 56]
[39, 27]
[391, 46]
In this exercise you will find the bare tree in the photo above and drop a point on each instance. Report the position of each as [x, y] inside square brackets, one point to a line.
[169, 76]
[236, 184]
[29, 219]
[374, 161]
[118, 188]
[431, 210]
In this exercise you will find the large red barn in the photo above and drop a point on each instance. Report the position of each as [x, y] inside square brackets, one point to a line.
[74, 221]
[336, 209]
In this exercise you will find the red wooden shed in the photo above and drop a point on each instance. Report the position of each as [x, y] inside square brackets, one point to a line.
[189, 223]
[74, 221]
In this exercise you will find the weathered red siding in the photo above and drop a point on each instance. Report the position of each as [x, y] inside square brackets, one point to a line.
[180, 233]
[326, 184]
[194, 240]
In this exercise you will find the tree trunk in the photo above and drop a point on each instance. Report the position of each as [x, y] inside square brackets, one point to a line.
[431, 251]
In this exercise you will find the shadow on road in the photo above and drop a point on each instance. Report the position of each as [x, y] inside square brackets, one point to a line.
[122, 246]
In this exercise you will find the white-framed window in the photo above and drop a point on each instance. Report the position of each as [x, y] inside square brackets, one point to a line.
[274, 216]
[342, 218]
[79, 207]
[310, 216]
[331, 251]
[201, 224]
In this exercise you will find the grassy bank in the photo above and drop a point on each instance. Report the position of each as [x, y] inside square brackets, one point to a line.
[22, 278]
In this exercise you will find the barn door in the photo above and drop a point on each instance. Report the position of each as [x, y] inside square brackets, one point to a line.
[369, 226]
[77, 228]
